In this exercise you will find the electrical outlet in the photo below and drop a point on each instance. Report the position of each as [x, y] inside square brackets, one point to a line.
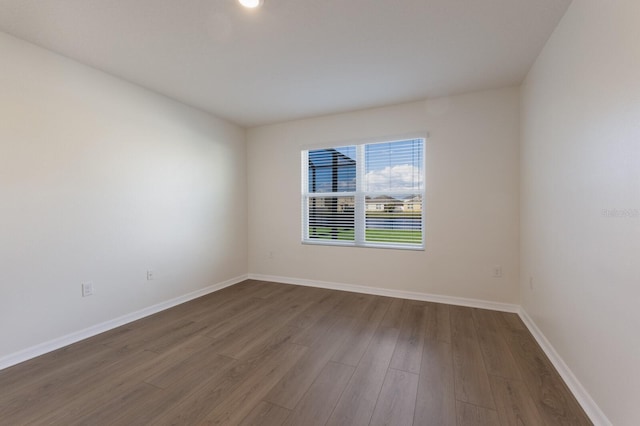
[149, 275]
[497, 271]
[87, 289]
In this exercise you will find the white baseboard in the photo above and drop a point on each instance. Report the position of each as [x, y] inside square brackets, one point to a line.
[426, 297]
[52, 345]
[584, 399]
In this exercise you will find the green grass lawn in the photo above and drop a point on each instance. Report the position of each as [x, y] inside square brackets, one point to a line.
[372, 235]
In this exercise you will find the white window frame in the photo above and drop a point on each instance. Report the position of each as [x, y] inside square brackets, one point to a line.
[359, 196]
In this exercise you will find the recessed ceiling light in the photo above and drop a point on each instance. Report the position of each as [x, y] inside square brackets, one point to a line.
[251, 4]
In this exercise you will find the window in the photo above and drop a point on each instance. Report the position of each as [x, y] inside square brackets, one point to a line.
[368, 195]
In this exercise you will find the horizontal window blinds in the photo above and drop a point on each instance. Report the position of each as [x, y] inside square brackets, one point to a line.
[365, 195]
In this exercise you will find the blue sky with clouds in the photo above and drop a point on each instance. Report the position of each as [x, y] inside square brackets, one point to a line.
[389, 167]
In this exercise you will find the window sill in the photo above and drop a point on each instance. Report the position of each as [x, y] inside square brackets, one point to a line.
[367, 245]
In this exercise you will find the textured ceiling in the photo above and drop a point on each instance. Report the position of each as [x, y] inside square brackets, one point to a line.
[294, 58]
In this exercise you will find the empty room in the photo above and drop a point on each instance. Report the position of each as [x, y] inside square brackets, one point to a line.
[296, 212]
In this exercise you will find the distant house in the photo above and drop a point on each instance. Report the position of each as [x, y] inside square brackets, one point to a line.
[413, 204]
[338, 204]
[383, 203]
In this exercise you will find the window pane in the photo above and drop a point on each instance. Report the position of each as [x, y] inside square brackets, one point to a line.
[394, 219]
[382, 209]
[393, 186]
[394, 166]
[332, 169]
[331, 218]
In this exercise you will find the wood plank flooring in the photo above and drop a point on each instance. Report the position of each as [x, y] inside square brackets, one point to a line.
[269, 354]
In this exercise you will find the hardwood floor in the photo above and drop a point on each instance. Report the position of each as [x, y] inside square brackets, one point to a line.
[261, 353]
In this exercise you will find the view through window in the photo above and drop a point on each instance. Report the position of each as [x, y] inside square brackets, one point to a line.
[365, 195]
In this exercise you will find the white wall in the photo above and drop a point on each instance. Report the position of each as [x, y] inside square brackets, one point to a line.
[471, 203]
[99, 181]
[580, 161]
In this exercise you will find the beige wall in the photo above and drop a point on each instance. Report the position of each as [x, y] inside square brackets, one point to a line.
[99, 181]
[471, 203]
[581, 163]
